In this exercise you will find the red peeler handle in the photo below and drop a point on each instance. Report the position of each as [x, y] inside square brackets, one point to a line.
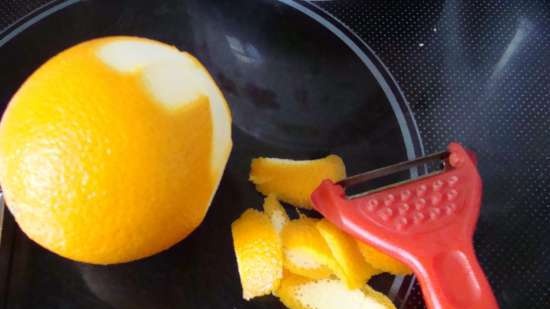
[396, 221]
[453, 279]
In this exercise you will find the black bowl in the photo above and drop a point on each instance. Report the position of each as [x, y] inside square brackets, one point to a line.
[299, 86]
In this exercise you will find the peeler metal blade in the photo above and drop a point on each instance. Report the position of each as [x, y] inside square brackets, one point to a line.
[357, 179]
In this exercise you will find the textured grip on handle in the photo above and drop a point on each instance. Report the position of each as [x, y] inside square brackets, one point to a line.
[454, 280]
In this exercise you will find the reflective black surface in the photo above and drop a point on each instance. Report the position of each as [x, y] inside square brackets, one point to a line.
[296, 90]
[478, 72]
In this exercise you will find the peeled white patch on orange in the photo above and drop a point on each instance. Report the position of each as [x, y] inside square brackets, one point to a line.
[173, 83]
[130, 55]
[173, 78]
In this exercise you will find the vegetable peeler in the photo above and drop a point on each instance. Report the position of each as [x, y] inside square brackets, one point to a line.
[427, 223]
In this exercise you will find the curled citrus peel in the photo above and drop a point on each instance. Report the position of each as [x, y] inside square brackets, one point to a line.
[294, 181]
[259, 255]
[323, 268]
[329, 293]
[381, 261]
[305, 251]
[275, 211]
[351, 267]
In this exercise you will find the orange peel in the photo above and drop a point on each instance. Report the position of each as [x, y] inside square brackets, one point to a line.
[305, 251]
[351, 267]
[293, 181]
[330, 293]
[381, 261]
[259, 253]
[276, 212]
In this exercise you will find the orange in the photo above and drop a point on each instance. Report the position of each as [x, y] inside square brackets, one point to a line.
[381, 261]
[330, 293]
[352, 268]
[113, 149]
[294, 181]
[259, 254]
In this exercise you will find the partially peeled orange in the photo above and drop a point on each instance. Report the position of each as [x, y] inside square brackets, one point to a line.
[113, 149]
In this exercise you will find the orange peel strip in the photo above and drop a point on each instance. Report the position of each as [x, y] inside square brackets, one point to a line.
[275, 211]
[294, 181]
[330, 293]
[352, 268]
[381, 261]
[305, 251]
[259, 253]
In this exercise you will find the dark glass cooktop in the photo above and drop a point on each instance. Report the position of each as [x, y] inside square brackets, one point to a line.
[375, 81]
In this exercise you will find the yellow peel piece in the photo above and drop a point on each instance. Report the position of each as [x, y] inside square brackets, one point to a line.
[305, 251]
[259, 255]
[287, 291]
[304, 264]
[352, 268]
[294, 181]
[381, 261]
[275, 211]
[330, 293]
